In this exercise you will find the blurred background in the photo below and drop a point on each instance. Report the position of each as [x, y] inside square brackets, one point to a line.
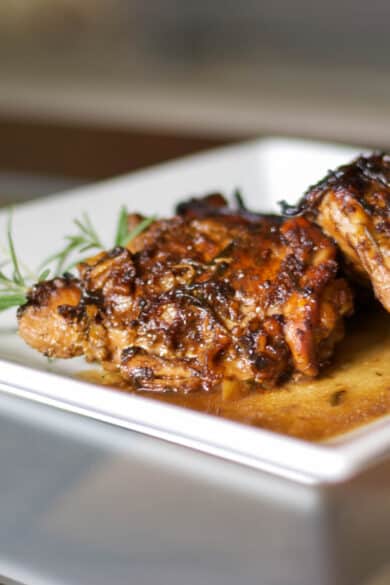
[94, 88]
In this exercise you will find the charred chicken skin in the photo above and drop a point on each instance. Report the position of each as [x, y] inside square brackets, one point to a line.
[352, 206]
[198, 300]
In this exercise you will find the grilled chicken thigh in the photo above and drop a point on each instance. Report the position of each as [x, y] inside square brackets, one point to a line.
[352, 205]
[198, 300]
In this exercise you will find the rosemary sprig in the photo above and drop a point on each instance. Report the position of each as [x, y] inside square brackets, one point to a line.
[121, 227]
[239, 199]
[84, 240]
[128, 236]
[14, 288]
[17, 275]
[89, 232]
[7, 301]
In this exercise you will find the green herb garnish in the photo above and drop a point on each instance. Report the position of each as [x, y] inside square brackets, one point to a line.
[14, 288]
[123, 235]
[239, 199]
[86, 239]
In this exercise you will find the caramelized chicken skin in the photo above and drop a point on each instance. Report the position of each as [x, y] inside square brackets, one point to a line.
[352, 205]
[51, 323]
[197, 300]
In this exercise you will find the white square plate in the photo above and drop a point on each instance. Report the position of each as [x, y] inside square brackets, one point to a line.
[266, 171]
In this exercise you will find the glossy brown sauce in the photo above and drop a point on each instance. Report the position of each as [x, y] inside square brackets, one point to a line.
[353, 390]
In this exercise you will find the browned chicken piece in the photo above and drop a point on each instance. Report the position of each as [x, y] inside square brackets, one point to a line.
[196, 303]
[352, 205]
[48, 322]
[215, 205]
[212, 204]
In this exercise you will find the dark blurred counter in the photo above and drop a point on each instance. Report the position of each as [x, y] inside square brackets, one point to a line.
[58, 148]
